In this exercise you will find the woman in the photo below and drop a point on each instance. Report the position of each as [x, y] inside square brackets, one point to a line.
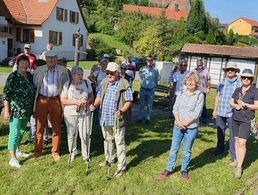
[18, 99]
[244, 102]
[76, 97]
[187, 110]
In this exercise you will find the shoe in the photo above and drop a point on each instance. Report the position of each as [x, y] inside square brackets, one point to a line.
[28, 142]
[185, 176]
[20, 154]
[71, 158]
[147, 122]
[56, 157]
[238, 172]
[119, 173]
[233, 163]
[104, 164]
[165, 174]
[14, 163]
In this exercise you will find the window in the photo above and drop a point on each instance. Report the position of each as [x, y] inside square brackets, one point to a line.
[74, 17]
[55, 37]
[61, 14]
[18, 34]
[81, 40]
[25, 35]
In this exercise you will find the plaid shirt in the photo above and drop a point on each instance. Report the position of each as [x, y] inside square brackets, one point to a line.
[109, 105]
[225, 91]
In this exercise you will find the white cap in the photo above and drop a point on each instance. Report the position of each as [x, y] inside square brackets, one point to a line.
[28, 46]
[106, 55]
[112, 66]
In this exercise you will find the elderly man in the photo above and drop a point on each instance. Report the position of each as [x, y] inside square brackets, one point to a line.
[223, 112]
[114, 98]
[49, 80]
[205, 78]
[149, 77]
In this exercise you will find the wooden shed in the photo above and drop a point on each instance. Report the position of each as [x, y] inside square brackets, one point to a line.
[217, 56]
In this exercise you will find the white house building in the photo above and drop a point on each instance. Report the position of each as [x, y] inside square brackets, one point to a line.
[40, 22]
[217, 56]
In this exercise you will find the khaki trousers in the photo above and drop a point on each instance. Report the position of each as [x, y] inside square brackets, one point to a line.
[119, 136]
[45, 107]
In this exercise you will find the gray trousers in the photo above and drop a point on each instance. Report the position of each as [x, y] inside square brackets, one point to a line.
[119, 135]
[78, 124]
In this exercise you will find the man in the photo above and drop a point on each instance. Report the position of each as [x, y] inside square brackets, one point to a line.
[223, 112]
[205, 86]
[49, 47]
[114, 98]
[177, 84]
[149, 77]
[131, 67]
[32, 58]
[49, 80]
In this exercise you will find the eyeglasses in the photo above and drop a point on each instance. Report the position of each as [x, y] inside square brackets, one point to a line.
[184, 65]
[123, 68]
[248, 78]
[110, 73]
[231, 69]
[149, 60]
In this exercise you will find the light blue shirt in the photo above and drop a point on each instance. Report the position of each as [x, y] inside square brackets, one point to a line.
[149, 77]
[178, 79]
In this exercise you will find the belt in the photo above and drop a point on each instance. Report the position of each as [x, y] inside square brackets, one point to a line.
[49, 98]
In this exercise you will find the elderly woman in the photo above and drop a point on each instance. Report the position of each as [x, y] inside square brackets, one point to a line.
[18, 99]
[244, 102]
[76, 97]
[187, 110]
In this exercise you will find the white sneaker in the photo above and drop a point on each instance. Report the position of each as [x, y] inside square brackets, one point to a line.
[14, 163]
[20, 154]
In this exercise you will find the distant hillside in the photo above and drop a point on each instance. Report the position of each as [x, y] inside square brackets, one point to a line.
[115, 43]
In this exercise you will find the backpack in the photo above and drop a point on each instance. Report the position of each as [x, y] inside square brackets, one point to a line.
[85, 81]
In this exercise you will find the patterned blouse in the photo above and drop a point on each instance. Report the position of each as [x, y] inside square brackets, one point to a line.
[19, 92]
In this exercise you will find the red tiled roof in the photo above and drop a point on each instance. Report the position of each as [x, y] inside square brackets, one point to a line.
[33, 12]
[252, 22]
[221, 50]
[171, 13]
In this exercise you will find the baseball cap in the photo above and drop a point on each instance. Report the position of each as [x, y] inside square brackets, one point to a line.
[112, 66]
[28, 46]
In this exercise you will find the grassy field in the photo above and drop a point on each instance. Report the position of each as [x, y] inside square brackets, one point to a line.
[5, 69]
[114, 43]
[147, 153]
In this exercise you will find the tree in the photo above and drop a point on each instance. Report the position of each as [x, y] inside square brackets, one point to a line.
[197, 20]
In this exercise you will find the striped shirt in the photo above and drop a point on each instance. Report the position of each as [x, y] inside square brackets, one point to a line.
[189, 106]
[110, 105]
[225, 90]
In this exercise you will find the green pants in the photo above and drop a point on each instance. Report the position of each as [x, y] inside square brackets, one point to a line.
[17, 128]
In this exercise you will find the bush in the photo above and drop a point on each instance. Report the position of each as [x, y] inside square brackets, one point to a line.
[99, 47]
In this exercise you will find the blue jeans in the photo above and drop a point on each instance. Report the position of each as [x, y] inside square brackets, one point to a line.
[146, 101]
[188, 136]
[221, 128]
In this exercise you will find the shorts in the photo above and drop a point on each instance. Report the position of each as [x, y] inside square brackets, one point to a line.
[241, 129]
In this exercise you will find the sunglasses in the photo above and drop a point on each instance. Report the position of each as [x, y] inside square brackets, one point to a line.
[231, 69]
[248, 78]
[185, 65]
[149, 60]
[110, 73]
[123, 68]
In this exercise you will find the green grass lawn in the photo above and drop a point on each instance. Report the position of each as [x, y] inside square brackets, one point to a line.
[114, 43]
[83, 64]
[5, 69]
[147, 153]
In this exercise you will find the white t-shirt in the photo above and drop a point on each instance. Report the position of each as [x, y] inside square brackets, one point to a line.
[79, 92]
[178, 79]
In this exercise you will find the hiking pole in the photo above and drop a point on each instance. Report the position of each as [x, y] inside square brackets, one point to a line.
[110, 151]
[88, 142]
[76, 129]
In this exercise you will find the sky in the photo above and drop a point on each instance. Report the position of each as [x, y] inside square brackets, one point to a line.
[229, 10]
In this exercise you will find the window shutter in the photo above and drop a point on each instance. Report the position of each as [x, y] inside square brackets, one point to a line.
[77, 18]
[18, 34]
[81, 40]
[32, 36]
[60, 38]
[66, 14]
[57, 13]
[70, 16]
[73, 39]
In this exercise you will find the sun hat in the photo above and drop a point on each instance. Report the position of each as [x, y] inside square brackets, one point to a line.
[112, 66]
[231, 65]
[247, 73]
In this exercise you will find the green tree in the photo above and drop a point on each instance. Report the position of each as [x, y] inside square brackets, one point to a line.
[197, 20]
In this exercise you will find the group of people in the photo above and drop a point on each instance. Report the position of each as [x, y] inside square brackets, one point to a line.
[234, 108]
[48, 91]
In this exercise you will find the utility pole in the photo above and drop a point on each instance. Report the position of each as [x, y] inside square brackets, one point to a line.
[77, 47]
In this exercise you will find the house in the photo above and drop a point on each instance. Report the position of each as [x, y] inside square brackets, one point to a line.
[171, 13]
[217, 56]
[39, 22]
[244, 26]
[175, 4]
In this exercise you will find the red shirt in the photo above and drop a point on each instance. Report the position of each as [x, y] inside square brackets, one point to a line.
[32, 58]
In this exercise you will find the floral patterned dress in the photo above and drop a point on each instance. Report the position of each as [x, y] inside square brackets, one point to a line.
[20, 93]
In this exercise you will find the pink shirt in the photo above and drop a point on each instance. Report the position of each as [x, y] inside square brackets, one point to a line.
[205, 77]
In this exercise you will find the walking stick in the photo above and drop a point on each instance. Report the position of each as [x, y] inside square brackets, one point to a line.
[110, 151]
[76, 129]
[88, 142]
